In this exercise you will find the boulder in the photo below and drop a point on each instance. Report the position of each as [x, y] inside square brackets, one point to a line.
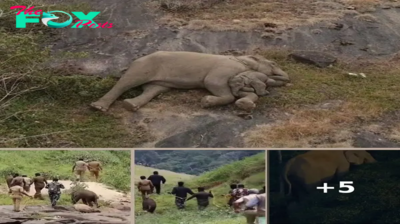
[317, 58]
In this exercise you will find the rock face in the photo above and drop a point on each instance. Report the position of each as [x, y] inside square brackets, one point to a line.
[371, 140]
[61, 215]
[316, 58]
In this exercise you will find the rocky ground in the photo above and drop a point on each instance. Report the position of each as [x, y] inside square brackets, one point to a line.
[117, 210]
[62, 214]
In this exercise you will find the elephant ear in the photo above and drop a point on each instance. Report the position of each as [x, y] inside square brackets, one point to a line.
[353, 158]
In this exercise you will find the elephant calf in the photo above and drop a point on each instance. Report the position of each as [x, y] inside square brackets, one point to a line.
[305, 172]
[149, 204]
[88, 197]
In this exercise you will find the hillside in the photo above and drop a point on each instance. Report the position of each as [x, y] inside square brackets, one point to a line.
[191, 162]
[249, 171]
[375, 199]
[51, 76]
[113, 186]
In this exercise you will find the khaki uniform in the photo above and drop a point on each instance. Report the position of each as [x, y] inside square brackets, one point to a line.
[39, 182]
[80, 169]
[28, 182]
[16, 193]
[17, 181]
[8, 180]
[94, 168]
[145, 187]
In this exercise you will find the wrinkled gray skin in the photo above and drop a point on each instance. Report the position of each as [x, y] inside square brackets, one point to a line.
[305, 172]
[248, 86]
[250, 81]
[87, 197]
[162, 71]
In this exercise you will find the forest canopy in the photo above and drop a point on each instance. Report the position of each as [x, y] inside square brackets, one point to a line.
[190, 161]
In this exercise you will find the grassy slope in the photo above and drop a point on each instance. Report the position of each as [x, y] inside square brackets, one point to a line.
[250, 171]
[58, 163]
[57, 113]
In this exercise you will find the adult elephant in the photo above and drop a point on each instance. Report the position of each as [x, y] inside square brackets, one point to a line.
[164, 70]
[305, 172]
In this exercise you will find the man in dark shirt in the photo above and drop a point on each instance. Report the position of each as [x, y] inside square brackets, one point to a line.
[202, 198]
[156, 180]
[180, 193]
[262, 191]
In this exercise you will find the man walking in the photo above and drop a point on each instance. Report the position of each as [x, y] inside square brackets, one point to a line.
[202, 198]
[28, 183]
[94, 169]
[54, 191]
[145, 187]
[80, 168]
[181, 193]
[39, 183]
[16, 193]
[157, 180]
[17, 180]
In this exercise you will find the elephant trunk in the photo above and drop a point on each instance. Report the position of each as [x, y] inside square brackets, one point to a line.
[279, 75]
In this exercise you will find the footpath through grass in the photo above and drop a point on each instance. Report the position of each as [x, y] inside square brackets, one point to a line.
[249, 171]
[58, 163]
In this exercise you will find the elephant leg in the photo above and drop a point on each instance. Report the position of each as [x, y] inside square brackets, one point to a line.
[124, 84]
[149, 92]
[275, 83]
[96, 202]
[84, 201]
[247, 101]
[90, 203]
[221, 91]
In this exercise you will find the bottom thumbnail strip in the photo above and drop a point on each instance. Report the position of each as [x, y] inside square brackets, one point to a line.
[65, 186]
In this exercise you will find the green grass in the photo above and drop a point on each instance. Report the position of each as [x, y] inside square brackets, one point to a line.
[58, 163]
[249, 171]
[49, 108]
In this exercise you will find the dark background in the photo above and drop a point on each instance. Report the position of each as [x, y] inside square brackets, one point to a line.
[376, 198]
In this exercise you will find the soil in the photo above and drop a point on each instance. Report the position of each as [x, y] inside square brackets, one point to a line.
[138, 32]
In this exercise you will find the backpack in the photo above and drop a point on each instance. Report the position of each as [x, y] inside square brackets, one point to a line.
[53, 188]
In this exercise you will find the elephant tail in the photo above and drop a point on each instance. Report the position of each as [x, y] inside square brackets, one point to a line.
[285, 174]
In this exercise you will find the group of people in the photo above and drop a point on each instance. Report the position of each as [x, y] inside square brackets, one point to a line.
[20, 185]
[250, 202]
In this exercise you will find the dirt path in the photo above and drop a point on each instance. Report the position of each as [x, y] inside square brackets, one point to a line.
[104, 192]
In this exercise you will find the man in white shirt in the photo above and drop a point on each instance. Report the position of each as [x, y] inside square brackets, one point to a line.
[255, 207]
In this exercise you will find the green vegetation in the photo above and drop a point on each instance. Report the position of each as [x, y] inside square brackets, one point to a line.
[43, 107]
[191, 162]
[249, 171]
[58, 163]
[375, 200]
[40, 107]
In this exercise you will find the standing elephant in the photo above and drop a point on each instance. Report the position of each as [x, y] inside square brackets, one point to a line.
[305, 172]
[88, 197]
